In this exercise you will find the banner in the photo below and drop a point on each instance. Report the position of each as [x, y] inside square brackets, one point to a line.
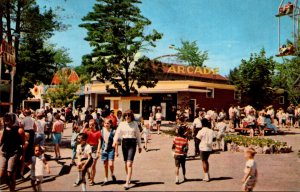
[8, 53]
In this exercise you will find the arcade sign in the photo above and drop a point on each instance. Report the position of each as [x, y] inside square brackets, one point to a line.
[192, 70]
[8, 53]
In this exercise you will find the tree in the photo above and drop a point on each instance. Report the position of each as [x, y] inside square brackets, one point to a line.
[64, 93]
[27, 27]
[253, 79]
[116, 32]
[287, 76]
[189, 52]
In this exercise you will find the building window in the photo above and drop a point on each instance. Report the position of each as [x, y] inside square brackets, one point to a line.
[210, 93]
[281, 100]
[135, 106]
[237, 95]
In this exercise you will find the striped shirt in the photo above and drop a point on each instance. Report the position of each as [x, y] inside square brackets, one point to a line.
[179, 143]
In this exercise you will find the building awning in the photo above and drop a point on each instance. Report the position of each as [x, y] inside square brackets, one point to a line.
[166, 87]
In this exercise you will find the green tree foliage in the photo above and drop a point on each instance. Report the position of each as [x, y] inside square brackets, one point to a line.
[64, 93]
[253, 79]
[116, 32]
[190, 53]
[27, 27]
[287, 76]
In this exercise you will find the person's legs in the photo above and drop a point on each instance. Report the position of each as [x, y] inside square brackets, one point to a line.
[158, 128]
[145, 141]
[93, 170]
[129, 171]
[105, 163]
[111, 167]
[33, 184]
[73, 153]
[183, 167]
[205, 166]
[197, 143]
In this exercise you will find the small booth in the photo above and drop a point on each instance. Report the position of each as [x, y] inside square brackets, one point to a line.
[135, 103]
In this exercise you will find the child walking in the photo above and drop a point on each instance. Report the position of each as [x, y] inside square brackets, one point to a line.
[84, 154]
[39, 163]
[146, 134]
[108, 151]
[180, 145]
[250, 171]
[75, 133]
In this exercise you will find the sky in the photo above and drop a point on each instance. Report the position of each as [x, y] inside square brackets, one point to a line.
[230, 30]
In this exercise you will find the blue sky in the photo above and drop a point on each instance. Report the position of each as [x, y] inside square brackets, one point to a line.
[228, 29]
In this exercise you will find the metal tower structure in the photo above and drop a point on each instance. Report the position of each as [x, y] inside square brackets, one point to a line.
[292, 10]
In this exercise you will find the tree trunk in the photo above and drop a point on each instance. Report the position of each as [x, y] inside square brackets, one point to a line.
[8, 21]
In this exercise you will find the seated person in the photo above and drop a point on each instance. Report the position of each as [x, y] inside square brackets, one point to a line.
[289, 8]
[250, 122]
[261, 122]
[281, 11]
[290, 49]
[283, 50]
[269, 123]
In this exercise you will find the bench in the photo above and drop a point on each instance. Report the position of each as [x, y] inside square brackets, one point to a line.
[245, 130]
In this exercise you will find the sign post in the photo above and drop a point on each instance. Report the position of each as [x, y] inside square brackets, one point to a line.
[8, 57]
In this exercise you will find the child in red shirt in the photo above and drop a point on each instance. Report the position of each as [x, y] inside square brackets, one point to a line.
[180, 147]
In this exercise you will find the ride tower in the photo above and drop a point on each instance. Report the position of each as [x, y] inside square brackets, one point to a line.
[291, 10]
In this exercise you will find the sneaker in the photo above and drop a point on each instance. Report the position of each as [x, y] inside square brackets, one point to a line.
[104, 182]
[206, 177]
[177, 181]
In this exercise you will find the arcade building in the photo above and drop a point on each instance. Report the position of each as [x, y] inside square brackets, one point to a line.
[178, 87]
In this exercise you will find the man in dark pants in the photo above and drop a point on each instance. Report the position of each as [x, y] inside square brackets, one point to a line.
[197, 125]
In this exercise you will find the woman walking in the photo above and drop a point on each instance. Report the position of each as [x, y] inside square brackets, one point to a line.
[11, 142]
[128, 131]
[57, 130]
[107, 150]
[94, 140]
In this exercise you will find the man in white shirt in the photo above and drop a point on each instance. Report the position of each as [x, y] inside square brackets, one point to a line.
[197, 125]
[206, 136]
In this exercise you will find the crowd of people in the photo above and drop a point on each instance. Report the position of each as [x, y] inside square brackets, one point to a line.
[97, 134]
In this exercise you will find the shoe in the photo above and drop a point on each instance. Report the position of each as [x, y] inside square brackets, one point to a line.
[104, 182]
[114, 179]
[206, 177]
[177, 181]
[92, 183]
[184, 179]
[76, 184]
[126, 187]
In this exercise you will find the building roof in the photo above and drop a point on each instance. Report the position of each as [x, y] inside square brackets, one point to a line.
[189, 71]
[167, 87]
[72, 78]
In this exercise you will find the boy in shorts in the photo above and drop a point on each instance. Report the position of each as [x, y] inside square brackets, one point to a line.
[84, 155]
[180, 145]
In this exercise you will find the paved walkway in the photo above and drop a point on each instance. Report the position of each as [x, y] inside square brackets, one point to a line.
[155, 170]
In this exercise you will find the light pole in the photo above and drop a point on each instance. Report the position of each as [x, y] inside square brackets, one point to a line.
[11, 98]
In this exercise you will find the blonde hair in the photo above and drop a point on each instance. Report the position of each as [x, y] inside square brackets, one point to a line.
[251, 151]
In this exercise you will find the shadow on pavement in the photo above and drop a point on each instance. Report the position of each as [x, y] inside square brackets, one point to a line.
[153, 150]
[191, 180]
[220, 178]
[46, 179]
[142, 184]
